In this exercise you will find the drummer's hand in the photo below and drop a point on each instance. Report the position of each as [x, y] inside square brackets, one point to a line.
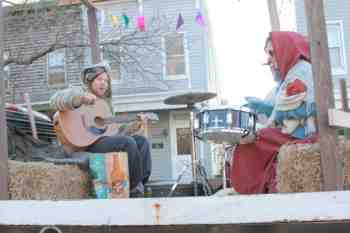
[259, 106]
[248, 139]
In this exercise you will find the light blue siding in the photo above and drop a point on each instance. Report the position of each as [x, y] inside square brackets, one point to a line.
[334, 10]
[195, 42]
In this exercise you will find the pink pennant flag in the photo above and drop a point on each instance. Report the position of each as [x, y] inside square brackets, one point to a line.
[141, 23]
[200, 19]
[180, 22]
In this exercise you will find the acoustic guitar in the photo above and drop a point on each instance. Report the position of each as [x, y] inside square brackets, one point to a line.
[81, 127]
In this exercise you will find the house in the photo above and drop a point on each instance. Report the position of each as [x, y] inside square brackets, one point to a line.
[185, 63]
[147, 67]
[30, 30]
[338, 29]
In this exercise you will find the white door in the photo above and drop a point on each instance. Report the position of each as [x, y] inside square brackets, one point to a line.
[181, 145]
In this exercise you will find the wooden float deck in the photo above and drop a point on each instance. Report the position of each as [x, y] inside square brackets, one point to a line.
[301, 212]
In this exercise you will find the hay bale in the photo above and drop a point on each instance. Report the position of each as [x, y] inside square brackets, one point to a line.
[299, 168]
[45, 181]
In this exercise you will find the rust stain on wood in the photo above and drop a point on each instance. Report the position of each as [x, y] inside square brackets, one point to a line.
[157, 208]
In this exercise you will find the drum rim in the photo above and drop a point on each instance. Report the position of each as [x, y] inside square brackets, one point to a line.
[226, 107]
[234, 139]
[221, 129]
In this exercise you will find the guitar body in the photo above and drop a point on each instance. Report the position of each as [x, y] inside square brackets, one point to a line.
[78, 128]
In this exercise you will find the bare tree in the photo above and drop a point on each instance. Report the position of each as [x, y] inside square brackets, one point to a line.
[46, 27]
[42, 28]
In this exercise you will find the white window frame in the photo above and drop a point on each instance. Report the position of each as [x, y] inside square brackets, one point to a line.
[344, 70]
[164, 58]
[48, 70]
[113, 81]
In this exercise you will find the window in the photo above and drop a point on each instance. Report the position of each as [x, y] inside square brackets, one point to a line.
[111, 53]
[184, 141]
[175, 56]
[56, 72]
[336, 47]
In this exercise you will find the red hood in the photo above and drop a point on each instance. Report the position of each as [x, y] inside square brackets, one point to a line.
[288, 48]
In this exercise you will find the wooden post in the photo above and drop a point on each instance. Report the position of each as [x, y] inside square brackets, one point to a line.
[273, 12]
[4, 195]
[93, 34]
[30, 115]
[331, 158]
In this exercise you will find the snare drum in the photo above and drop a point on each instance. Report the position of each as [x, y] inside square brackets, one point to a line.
[224, 124]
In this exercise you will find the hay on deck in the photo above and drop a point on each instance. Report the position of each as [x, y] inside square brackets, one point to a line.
[45, 181]
[299, 168]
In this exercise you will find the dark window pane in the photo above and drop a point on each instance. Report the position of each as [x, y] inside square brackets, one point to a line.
[184, 141]
[56, 79]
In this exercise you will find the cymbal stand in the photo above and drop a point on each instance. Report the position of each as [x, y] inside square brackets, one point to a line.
[178, 179]
[201, 174]
[198, 170]
[193, 148]
[190, 99]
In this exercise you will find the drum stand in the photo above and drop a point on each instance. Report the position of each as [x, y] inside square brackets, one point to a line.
[227, 149]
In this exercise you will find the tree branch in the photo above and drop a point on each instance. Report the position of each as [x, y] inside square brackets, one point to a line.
[88, 4]
[30, 59]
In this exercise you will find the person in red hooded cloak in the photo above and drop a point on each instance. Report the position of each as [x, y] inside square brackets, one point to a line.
[291, 113]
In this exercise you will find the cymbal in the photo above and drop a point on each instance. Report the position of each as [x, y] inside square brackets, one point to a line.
[189, 98]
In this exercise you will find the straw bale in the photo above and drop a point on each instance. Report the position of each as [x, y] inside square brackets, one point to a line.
[299, 167]
[46, 181]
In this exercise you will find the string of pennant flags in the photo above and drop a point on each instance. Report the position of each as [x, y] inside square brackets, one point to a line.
[124, 20]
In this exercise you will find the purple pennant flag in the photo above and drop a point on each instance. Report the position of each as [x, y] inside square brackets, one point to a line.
[200, 19]
[180, 22]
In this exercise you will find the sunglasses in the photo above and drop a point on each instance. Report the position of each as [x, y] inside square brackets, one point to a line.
[268, 63]
[270, 52]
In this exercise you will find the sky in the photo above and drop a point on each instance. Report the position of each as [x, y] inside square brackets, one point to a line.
[239, 29]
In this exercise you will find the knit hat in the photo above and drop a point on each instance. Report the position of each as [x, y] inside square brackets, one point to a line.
[89, 73]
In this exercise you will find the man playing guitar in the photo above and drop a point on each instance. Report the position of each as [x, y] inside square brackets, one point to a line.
[96, 79]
